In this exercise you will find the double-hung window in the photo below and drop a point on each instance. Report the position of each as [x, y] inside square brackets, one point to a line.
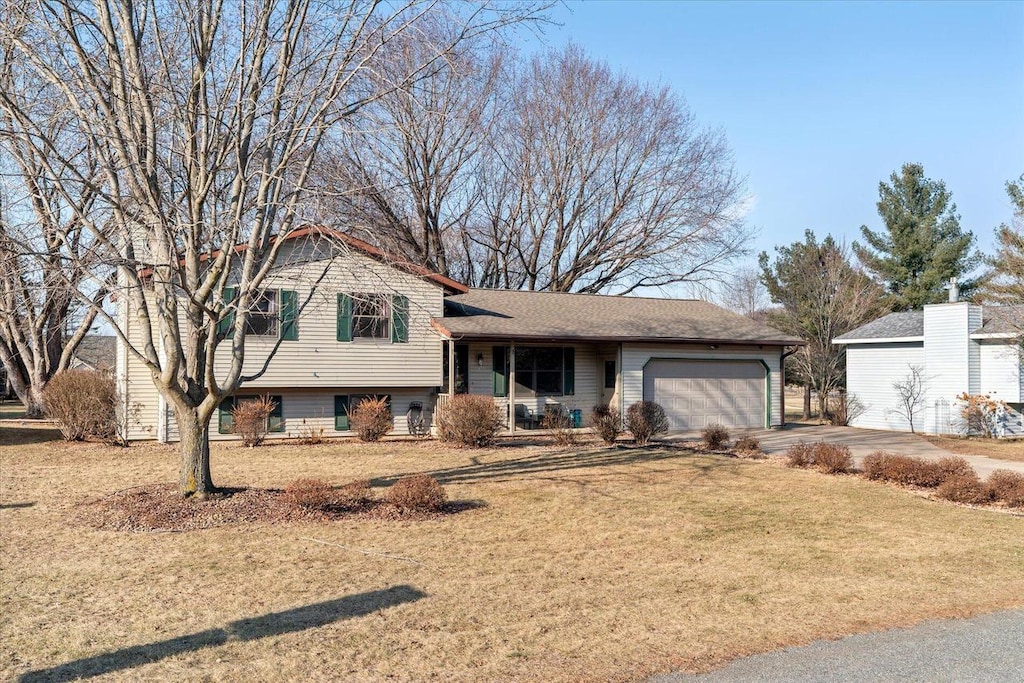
[373, 315]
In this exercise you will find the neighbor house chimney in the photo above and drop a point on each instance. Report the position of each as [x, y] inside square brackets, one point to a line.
[954, 290]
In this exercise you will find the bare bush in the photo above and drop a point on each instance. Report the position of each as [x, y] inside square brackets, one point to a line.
[561, 426]
[418, 493]
[606, 423]
[964, 488]
[747, 444]
[832, 458]
[903, 470]
[715, 437]
[310, 434]
[953, 465]
[371, 419]
[800, 455]
[470, 420]
[843, 409]
[83, 403]
[1007, 487]
[645, 420]
[250, 419]
[310, 494]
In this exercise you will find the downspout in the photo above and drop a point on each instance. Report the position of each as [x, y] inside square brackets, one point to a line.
[782, 374]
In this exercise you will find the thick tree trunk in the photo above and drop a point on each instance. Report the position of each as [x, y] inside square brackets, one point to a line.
[33, 401]
[194, 479]
[807, 403]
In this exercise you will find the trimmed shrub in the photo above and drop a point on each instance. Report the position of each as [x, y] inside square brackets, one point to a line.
[310, 494]
[645, 420]
[749, 444]
[559, 422]
[800, 455]
[715, 437]
[83, 404]
[953, 465]
[832, 458]
[874, 465]
[1006, 486]
[964, 488]
[470, 420]
[371, 419]
[903, 469]
[418, 493]
[606, 423]
[250, 419]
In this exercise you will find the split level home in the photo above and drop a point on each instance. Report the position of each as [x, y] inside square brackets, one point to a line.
[374, 327]
[956, 347]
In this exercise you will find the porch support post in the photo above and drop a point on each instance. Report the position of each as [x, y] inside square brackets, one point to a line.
[451, 368]
[512, 389]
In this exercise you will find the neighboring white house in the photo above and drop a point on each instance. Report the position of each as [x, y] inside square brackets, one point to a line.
[380, 328]
[958, 347]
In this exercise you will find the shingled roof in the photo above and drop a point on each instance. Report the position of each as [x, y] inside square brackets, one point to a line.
[503, 314]
[903, 325]
[1002, 320]
[909, 325]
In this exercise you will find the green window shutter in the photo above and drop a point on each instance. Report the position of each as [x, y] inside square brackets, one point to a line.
[275, 423]
[289, 315]
[227, 323]
[341, 413]
[399, 319]
[568, 371]
[499, 368]
[344, 318]
[225, 420]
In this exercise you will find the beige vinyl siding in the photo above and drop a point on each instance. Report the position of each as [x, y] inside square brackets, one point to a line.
[140, 397]
[315, 410]
[636, 356]
[871, 370]
[587, 392]
[318, 360]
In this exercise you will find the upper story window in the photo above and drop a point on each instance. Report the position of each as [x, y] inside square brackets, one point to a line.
[263, 315]
[371, 315]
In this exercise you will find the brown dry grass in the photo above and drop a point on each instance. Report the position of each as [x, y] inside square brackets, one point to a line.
[588, 564]
[1001, 449]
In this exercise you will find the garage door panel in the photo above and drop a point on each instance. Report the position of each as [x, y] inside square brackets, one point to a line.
[699, 393]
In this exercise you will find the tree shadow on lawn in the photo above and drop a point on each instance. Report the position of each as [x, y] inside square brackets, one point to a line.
[559, 461]
[276, 623]
[23, 436]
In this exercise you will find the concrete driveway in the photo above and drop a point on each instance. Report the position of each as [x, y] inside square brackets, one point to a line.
[861, 442]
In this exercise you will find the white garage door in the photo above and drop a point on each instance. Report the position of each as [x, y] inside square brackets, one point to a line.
[698, 393]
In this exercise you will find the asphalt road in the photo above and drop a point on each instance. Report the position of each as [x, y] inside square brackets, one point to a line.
[988, 649]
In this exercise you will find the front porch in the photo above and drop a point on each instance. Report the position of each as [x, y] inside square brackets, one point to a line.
[531, 380]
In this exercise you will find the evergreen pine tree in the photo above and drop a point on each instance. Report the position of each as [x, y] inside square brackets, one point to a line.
[922, 246]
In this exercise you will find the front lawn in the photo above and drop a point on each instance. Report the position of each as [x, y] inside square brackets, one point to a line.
[1001, 449]
[587, 564]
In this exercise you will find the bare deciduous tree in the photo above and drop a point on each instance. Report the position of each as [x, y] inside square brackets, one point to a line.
[204, 120]
[44, 251]
[743, 292]
[554, 173]
[911, 392]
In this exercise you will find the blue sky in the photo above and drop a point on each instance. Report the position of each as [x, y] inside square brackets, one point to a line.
[821, 101]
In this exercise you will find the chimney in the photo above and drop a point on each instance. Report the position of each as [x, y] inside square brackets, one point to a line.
[954, 291]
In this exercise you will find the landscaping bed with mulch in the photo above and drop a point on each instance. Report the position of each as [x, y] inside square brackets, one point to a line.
[160, 508]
